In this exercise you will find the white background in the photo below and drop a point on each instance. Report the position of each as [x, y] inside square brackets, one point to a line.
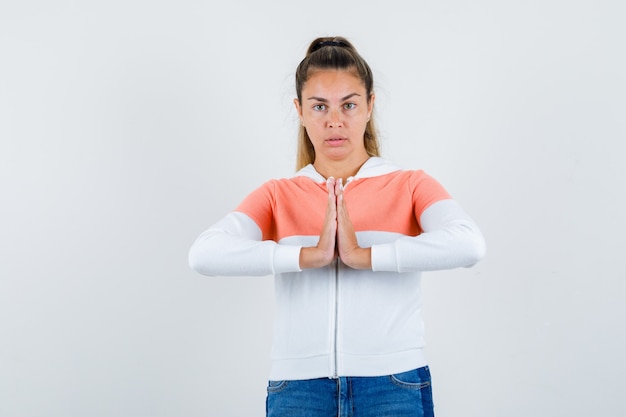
[128, 127]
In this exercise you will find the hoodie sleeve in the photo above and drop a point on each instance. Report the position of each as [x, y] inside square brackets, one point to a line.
[233, 246]
[449, 239]
[239, 244]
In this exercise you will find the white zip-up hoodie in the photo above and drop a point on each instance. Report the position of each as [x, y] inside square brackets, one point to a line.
[338, 321]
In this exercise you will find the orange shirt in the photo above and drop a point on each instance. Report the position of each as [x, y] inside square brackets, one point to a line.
[387, 203]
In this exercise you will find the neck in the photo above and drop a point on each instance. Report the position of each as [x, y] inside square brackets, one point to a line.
[340, 169]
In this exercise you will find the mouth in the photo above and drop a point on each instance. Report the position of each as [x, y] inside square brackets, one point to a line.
[336, 141]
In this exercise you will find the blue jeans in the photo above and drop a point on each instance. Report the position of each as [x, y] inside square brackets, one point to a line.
[407, 394]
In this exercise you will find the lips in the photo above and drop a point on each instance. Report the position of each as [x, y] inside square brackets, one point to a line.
[336, 141]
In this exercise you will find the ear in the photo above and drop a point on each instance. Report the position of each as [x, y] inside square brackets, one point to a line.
[370, 105]
[296, 103]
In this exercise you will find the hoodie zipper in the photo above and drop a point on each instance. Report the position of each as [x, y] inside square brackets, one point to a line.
[334, 348]
[334, 358]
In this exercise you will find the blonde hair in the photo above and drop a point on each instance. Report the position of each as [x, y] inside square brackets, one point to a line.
[334, 53]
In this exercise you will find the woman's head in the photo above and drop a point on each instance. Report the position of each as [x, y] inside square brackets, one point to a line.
[334, 53]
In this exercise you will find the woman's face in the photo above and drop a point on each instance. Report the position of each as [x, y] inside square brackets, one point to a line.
[335, 111]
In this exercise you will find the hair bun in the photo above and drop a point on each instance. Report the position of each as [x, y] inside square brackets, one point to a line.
[329, 43]
[336, 41]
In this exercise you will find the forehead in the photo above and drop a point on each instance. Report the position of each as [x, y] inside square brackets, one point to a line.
[331, 82]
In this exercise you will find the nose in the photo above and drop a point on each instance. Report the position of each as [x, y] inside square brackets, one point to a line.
[334, 119]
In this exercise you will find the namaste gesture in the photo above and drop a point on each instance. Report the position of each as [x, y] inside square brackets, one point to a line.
[337, 237]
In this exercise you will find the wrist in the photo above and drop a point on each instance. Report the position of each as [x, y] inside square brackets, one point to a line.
[359, 258]
[313, 257]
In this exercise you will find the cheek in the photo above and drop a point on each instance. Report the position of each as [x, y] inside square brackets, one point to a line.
[313, 123]
[313, 131]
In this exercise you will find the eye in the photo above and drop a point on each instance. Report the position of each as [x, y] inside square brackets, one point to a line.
[349, 106]
[319, 107]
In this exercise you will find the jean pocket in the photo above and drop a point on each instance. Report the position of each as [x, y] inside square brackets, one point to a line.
[276, 386]
[416, 379]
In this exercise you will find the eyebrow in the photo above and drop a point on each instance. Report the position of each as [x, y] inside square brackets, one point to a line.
[323, 100]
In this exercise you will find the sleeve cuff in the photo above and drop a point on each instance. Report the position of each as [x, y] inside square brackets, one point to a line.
[286, 259]
[384, 258]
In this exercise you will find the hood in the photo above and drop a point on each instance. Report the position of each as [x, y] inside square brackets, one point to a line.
[373, 167]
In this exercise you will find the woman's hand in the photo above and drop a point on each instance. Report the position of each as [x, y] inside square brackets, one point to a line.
[349, 250]
[325, 251]
[337, 236]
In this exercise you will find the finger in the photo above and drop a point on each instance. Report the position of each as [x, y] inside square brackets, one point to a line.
[339, 189]
[330, 187]
[331, 207]
[327, 242]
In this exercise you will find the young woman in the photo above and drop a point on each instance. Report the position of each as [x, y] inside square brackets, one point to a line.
[347, 239]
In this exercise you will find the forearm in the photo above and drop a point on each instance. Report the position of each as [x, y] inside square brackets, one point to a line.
[451, 239]
[233, 246]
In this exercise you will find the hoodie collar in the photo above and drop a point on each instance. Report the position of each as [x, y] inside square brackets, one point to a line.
[373, 167]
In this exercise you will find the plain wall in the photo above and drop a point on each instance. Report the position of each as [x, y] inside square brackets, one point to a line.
[128, 127]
